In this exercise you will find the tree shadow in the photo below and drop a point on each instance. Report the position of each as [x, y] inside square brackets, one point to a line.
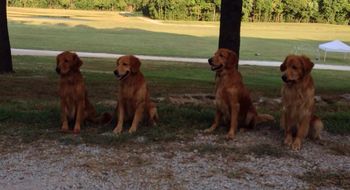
[144, 42]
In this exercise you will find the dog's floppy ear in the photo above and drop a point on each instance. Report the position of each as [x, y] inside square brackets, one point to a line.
[283, 66]
[135, 64]
[307, 64]
[232, 60]
[77, 61]
[57, 58]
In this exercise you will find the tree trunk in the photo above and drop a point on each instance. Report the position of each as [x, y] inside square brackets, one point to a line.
[230, 25]
[5, 49]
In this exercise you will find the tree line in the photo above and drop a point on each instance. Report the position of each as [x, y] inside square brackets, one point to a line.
[314, 11]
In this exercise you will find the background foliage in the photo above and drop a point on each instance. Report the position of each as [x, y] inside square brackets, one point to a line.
[320, 11]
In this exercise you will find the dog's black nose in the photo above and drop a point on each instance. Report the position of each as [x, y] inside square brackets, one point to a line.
[210, 61]
[284, 78]
[58, 70]
[116, 73]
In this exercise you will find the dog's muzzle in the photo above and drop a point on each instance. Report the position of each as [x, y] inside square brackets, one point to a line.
[286, 80]
[58, 70]
[121, 77]
[216, 67]
[210, 61]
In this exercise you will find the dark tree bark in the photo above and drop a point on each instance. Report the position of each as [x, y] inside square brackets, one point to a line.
[5, 48]
[230, 25]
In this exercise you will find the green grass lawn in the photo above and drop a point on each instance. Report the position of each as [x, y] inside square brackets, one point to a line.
[29, 104]
[116, 33]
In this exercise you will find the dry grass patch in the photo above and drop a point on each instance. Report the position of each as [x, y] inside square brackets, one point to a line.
[324, 178]
[262, 150]
[339, 149]
[240, 173]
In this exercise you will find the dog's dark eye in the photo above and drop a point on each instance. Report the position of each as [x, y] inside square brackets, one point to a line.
[124, 64]
[294, 67]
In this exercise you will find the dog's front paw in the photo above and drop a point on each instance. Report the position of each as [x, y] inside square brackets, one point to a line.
[117, 130]
[296, 145]
[76, 130]
[132, 130]
[288, 140]
[64, 128]
[230, 136]
[209, 130]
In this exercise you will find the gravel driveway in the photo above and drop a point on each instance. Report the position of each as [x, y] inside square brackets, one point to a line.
[254, 160]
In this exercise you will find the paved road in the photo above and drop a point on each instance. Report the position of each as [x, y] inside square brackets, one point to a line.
[163, 58]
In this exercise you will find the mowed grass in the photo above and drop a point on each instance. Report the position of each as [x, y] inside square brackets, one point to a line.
[29, 103]
[116, 32]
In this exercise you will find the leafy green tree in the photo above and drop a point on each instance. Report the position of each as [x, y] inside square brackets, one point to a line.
[247, 9]
[66, 4]
[262, 10]
[328, 11]
[277, 10]
[342, 11]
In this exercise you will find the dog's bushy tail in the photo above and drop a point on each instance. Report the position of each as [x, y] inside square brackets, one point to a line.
[316, 126]
[102, 119]
[260, 118]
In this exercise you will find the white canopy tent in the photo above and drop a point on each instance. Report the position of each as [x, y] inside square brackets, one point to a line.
[334, 46]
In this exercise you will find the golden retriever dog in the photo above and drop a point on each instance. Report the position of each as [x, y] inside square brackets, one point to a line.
[75, 105]
[134, 101]
[298, 91]
[232, 99]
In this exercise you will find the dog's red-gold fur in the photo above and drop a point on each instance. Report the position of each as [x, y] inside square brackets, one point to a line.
[134, 101]
[75, 104]
[298, 93]
[232, 99]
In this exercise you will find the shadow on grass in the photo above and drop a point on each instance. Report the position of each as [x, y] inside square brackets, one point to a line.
[337, 122]
[176, 123]
[144, 42]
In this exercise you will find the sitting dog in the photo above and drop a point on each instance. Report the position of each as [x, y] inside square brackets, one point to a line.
[232, 99]
[298, 101]
[75, 104]
[134, 101]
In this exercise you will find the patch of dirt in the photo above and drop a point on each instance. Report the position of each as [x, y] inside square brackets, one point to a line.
[196, 99]
[271, 103]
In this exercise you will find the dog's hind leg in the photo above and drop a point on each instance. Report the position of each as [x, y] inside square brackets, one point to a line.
[250, 120]
[216, 123]
[153, 114]
[316, 126]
